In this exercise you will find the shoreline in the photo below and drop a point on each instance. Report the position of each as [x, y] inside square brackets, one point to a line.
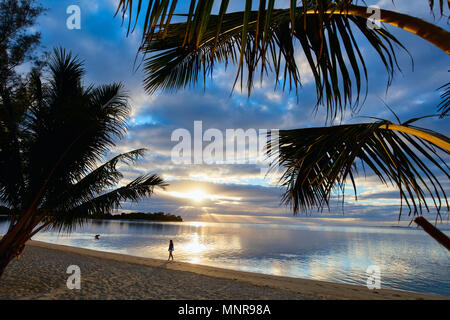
[184, 275]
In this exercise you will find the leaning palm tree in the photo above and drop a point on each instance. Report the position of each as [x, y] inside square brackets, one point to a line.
[318, 160]
[51, 176]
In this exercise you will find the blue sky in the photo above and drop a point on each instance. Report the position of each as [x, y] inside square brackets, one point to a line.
[239, 192]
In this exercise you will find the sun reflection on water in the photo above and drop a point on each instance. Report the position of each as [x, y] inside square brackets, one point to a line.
[409, 260]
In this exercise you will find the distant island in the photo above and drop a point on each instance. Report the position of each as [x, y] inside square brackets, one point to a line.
[157, 216]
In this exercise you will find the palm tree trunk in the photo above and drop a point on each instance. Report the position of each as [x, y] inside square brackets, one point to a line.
[437, 234]
[3, 264]
[428, 31]
[434, 232]
[13, 250]
[13, 242]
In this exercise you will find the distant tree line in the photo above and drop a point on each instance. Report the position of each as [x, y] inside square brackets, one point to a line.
[156, 216]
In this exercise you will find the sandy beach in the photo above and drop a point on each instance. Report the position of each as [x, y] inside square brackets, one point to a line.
[41, 274]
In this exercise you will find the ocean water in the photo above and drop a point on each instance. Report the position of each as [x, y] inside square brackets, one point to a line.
[408, 258]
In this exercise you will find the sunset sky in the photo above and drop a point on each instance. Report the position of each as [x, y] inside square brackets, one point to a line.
[240, 192]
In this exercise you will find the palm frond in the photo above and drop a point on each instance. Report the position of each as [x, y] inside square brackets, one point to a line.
[66, 72]
[444, 105]
[338, 67]
[265, 40]
[137, 189]
[49, 155]
[433, 4]
[159, 13]
[65, 148]
[92, 184]
[318, 162]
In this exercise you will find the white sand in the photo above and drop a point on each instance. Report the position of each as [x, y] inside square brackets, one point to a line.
[41, 274]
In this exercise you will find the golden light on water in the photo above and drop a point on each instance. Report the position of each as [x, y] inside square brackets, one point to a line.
[194, 246]
[194, 250]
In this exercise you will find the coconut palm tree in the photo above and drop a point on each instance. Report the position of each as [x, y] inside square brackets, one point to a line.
[64, 131]
[317, 160]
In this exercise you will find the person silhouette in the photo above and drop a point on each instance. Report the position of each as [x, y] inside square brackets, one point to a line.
[171, 248]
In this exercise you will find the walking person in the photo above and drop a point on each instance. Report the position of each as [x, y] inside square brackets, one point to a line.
[171, 248]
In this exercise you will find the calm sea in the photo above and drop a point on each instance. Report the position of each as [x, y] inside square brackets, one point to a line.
[407, 257]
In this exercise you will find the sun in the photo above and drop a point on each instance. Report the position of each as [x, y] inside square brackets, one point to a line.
[197, 195]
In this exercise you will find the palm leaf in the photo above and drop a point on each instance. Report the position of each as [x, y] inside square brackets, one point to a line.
[170, 67]
[63, 149]
[65, 132]
[136, 190]
[92, 184]
[444, 105]
[433, 3]
[156, 12]
[318, 162]
[184, 53]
